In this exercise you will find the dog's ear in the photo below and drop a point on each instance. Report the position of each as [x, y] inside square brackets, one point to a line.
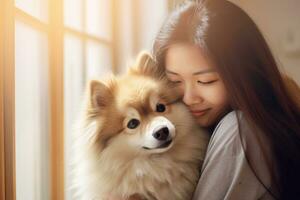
[145, 65]
[100, 95]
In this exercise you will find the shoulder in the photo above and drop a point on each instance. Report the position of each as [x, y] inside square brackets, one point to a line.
[229, 122]
[226, 170]
[226, 134]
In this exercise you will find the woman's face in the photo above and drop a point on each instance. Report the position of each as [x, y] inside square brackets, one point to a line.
[202, 88]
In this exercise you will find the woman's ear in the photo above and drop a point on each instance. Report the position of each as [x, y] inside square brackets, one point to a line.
[145, 65]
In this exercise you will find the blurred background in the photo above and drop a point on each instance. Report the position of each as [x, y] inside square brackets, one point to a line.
[57, 46]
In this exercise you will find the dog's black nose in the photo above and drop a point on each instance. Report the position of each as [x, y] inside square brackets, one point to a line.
[161, 134]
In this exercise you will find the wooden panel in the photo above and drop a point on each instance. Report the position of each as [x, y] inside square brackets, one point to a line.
[114, 43]
[2, 164]
[57, 100]
[30, 20]
[7, 90]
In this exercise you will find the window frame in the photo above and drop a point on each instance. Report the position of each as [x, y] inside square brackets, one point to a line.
[7, 96]
[56, 30]
[56, 86]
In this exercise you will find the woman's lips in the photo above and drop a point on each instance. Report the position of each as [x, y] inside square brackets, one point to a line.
[198, 113]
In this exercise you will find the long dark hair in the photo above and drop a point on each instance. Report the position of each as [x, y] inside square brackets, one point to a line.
[251, 76]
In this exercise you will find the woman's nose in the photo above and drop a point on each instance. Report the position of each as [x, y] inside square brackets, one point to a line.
[191, 96]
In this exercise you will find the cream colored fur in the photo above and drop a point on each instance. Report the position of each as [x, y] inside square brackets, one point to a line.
[110, 159]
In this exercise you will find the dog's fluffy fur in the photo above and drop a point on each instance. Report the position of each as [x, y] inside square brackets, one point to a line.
[114, 160]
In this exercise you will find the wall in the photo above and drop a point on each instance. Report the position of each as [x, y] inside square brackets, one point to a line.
[280, 23]
[138, 23]
[278, 20]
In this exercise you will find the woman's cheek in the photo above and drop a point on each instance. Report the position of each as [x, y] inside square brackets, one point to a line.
[215, 94]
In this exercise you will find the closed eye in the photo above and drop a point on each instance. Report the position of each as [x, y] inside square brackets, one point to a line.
[207, 82]
[176, 82]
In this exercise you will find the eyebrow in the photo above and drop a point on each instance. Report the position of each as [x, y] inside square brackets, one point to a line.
[195, 73]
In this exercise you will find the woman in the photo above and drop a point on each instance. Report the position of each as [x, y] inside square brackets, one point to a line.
[231, 83]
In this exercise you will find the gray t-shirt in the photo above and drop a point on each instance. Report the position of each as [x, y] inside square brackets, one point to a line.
[226, 173]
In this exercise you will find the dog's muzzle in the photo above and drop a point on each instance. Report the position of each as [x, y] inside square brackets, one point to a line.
[159, 134]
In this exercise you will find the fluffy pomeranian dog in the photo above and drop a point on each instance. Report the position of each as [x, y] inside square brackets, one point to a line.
[137, 138]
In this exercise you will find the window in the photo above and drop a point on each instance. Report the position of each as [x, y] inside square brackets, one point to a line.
[31, 113]
[49, 50]
[88, 55]
[32, 99]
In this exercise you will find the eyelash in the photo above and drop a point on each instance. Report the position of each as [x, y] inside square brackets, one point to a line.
[208, 82]
[200, 82]
[176, 82]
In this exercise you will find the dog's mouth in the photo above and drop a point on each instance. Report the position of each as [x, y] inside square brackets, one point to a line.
[162, 146]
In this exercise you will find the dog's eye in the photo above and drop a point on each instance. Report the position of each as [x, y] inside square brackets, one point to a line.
[133, 123]
[160, 107]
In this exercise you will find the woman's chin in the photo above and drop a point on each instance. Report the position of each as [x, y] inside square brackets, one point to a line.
[204, 122]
